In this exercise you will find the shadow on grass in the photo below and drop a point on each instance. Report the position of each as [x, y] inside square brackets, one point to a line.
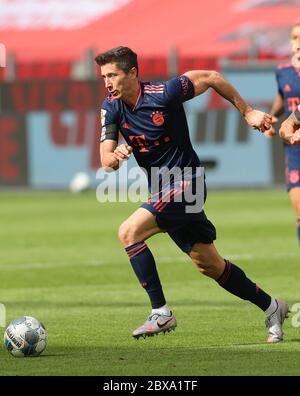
[246, 359]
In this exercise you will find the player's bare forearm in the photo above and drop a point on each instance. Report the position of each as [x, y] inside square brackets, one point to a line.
[254, 118]
[225, 89]
[276, 111]
[277, 107]
[203, 80]
[109, 161]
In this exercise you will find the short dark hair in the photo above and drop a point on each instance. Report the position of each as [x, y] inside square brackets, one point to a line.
[124, 57]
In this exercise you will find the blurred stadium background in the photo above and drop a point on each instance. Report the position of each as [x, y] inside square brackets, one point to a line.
[59, 255]
[50, 93]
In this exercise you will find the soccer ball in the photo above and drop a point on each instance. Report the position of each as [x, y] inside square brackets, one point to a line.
[25, 336]
[80, 182]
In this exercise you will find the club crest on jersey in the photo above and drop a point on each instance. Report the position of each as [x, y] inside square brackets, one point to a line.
[158, 118]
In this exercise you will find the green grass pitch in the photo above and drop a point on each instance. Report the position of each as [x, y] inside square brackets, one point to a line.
[61, 262]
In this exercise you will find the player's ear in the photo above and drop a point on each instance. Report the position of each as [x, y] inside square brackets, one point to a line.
[133, 72]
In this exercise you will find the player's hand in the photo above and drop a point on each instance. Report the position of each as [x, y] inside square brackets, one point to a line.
[258, 120]
[289, 132]
[295, 138]
[269, 133]
[123, 152]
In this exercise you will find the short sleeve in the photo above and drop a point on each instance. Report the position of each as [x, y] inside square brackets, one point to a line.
[109, 122]
[179, 89]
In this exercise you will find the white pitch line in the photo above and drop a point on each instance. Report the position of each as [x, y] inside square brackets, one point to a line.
[242, 256]
[22, 266]
[159, 259]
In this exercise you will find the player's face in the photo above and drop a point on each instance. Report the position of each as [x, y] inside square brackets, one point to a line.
[117, 82]
[295, 39]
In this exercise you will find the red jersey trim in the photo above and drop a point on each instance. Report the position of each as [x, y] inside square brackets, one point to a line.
[138, 98]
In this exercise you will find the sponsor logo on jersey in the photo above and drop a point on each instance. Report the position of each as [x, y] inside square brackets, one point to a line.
[293, 103]
[125, 125]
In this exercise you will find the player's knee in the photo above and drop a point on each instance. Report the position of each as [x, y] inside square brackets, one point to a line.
[128, 234]
[209, 266]
[124, 232]
[201, 262]
[204, 268]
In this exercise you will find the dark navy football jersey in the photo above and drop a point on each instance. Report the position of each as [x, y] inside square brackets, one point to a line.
[156, 127]
[288, 80]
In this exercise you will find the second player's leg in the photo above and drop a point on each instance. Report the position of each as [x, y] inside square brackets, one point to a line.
[294, 194]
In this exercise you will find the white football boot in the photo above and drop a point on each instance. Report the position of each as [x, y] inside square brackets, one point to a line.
[274, 322]
[155, 324]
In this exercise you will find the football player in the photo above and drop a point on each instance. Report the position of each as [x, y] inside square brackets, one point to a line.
[151, 118]
[286, 101]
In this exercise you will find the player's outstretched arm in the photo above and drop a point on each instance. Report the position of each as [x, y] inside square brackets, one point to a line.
[290, 128]
[203, 79]
[276, 111]
[111, 154]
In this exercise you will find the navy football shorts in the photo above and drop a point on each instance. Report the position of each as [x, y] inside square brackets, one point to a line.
[184, 228]
[292, 172]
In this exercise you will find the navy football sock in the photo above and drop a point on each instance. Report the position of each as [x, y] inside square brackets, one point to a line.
[298, 228]
[143, 264]
[235, 281]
